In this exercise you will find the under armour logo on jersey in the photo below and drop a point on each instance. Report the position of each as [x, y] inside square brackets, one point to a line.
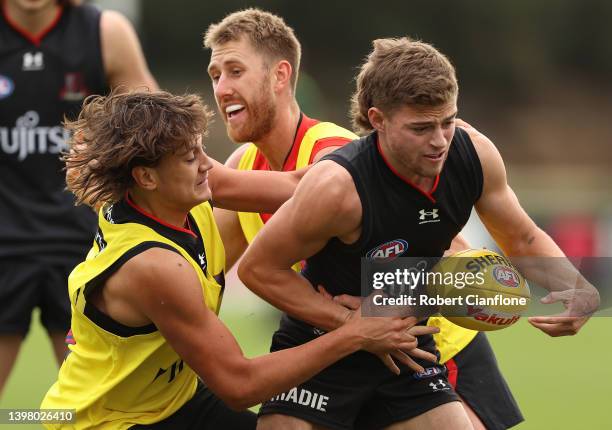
[429, 216]
[202, 258]
[33, 61]
[440, 385]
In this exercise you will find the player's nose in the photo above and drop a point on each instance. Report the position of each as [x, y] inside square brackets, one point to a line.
[223, 89]
[205, 162]
[438, 138]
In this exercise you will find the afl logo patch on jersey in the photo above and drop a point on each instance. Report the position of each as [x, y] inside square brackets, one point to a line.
[427, 373]
[388, 251]
[6, 87]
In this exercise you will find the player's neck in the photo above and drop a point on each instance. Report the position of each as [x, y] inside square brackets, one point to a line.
[34, 22]
[424, 183]
[160, 211]
[276, 145]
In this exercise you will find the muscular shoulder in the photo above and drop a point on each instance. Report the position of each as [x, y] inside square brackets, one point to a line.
[153, 271]
[155, 279]
[328, 189]
[482, 143]
[124, 62]
[114, 25]
[494, 173]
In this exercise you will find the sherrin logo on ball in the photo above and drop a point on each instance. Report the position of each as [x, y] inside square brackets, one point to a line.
[495, 300]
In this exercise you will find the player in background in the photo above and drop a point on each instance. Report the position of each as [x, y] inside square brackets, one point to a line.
[52, 55]
[254, 69]
[373, 191]
[255, 59]
[145, 300]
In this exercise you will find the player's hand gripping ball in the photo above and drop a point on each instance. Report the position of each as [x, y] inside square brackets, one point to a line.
[485, 291]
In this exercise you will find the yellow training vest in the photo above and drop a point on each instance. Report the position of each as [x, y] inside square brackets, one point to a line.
[251, 222]
[117, 376]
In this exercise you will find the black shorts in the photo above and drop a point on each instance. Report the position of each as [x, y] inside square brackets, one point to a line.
[205, 411]
[26, 284]
[477, 379]
[358, 391]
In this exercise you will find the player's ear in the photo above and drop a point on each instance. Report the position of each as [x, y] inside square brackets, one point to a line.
[145, 177]
[377, 119]
[282, 75]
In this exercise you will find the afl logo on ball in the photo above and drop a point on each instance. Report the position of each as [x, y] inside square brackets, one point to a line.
[6, 87]
[388, 251]
[506, 277]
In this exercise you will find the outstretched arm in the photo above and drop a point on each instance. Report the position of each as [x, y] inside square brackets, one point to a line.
[521, 239]
[161, 287]
[228, 223]
[251, 190]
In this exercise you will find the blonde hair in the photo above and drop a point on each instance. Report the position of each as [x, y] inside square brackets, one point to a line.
[267, 32]
[401, 72]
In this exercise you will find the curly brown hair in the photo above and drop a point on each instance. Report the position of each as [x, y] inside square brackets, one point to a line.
[267, 32]
[118, 132]
[401, 72]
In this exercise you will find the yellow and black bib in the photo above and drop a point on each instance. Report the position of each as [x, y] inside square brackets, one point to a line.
[311, 136]
[117, 376]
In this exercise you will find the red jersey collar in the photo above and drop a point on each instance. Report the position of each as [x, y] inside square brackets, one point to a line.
[35, 39]
[157, 220]
[406, 180]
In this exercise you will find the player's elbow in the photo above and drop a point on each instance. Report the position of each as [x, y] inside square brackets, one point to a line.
[237, 399]
[252, 273]
[239, 391]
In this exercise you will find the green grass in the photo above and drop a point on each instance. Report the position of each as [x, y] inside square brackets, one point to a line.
[562, 383]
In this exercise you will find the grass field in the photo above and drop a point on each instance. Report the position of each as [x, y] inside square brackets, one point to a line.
[563, 383]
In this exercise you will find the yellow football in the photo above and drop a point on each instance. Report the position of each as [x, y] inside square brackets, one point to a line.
[479, 289]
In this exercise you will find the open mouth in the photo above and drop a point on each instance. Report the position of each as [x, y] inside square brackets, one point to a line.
[435, 157]
[233, 110]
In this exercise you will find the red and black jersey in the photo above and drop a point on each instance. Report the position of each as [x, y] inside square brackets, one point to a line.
[398, 219]
[43, 78]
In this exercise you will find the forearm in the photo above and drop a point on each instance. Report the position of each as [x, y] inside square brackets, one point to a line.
[280, 371]
[541, 261]
[293, 294]
[251, 190]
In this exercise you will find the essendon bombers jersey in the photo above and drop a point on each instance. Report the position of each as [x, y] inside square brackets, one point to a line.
[43, 78]
[399, 219]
